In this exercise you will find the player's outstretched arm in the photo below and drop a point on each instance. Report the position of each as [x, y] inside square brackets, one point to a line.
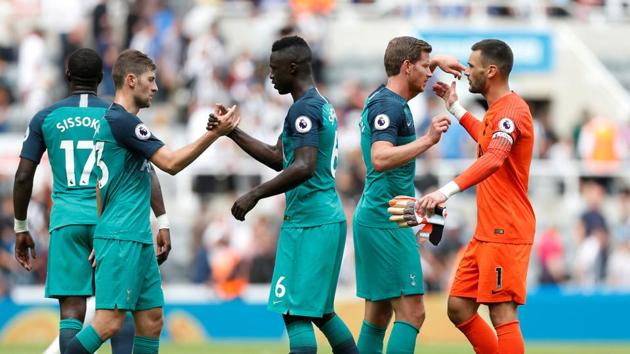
[172, 162]
[163, 238]
[449, 94]
[449, 64]
[494, 157]
[302, 168]
[386, 156]
[22, 190]
[269, 155]
[484, 167]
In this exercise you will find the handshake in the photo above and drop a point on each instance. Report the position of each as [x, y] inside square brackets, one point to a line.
[223, 120]
[403, 211]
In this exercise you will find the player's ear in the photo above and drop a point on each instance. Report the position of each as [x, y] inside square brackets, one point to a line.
[406, 66]
[492, 71]
[293, 68]
[68, 75]
[130, 80]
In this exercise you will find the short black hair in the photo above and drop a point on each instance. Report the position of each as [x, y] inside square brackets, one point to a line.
[497, 52]
[85, 66]
[297, 48]
[403, 48]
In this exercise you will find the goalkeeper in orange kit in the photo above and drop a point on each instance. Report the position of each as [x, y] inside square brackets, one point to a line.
[493, 270]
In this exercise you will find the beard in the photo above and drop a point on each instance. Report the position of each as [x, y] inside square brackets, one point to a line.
[142, 103]
[476, 86]
[420, 88]
[416, 86]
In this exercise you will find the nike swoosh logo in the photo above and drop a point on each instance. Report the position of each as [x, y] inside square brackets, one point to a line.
[497, 291]
[277, 302]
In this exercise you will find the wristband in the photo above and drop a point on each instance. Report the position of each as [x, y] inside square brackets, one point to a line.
[450, 189]
[162, 222]
[20, 226]
[457, 110]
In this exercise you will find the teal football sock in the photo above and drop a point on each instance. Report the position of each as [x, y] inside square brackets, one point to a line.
[68, 329]
[371, 339]
[339, 336]
[403, 338]
[89, 339]
[146, 345]
[301, 337]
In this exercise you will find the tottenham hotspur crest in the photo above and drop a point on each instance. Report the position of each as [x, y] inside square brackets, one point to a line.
[142, 132]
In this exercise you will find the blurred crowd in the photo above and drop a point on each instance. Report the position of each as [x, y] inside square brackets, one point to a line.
[198, 67]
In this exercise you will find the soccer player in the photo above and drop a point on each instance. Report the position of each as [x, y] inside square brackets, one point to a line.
[389, 276]
[313, 234]
[66, 130]
[493, 269]
[127, 276]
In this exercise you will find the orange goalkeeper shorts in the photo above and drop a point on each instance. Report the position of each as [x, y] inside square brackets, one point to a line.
[493, 272]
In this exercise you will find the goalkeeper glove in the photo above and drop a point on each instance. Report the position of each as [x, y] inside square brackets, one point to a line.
[403, 212]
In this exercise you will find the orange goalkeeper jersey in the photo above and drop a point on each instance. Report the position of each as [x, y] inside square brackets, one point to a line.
[504, 213]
